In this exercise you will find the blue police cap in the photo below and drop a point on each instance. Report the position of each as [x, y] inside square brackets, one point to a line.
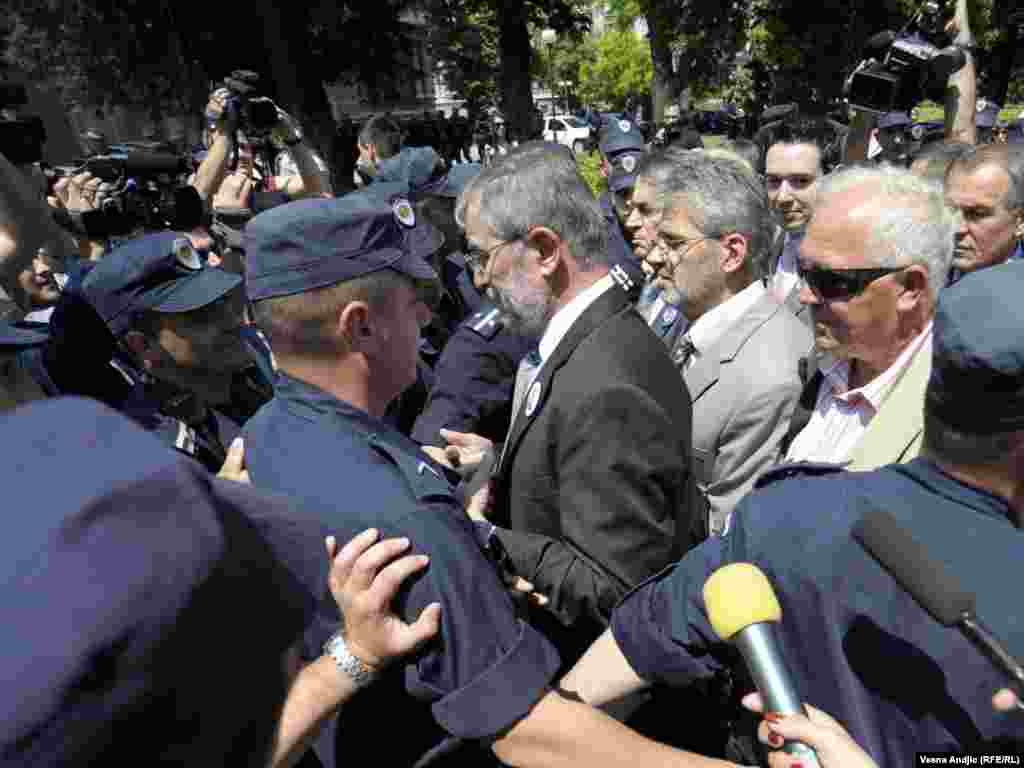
[987, 114]
[130, 580]
[977, 378]
[894, 120]
[623, 173]
[160, 273]
[316, 243]
[456, 180]
[618, 135]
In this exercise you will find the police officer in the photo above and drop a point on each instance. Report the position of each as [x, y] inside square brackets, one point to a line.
[986, 119]
[892, 140]
[337, 284]
[473, 381]
[188, 372]
[622, 146]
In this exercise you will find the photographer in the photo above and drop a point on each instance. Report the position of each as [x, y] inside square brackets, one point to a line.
[233, 177]
[32, 247]
[960, 96]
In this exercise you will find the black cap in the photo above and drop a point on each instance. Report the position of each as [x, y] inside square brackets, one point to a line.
[159, 273]
[316, 243]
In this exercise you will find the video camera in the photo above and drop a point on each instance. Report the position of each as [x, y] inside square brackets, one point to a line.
[21, 138]
[145, 188]
[257, 115]
[901, 68]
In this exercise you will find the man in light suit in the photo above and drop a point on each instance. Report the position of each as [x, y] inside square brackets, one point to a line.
[741, 353]
[593, 491]
[876, 253]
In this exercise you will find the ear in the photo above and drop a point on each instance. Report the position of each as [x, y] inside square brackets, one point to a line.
[1019, 230]
[735, 248]
[354, 325]
[915, 284]
[550, 248]
[605, 168]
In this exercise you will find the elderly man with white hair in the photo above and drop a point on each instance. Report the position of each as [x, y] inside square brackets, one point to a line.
[876, 253]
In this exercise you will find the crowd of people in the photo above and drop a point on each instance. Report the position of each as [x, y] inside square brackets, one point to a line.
[469, 441]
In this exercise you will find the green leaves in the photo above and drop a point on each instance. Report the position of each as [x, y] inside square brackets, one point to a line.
[621, 66]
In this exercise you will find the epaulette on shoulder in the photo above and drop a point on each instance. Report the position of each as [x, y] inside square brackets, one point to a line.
[486, 322]
[797, 469]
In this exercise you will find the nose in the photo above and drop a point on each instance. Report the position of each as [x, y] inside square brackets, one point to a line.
[807, 296]
[39, 266]
[634, 220]
[784, 193]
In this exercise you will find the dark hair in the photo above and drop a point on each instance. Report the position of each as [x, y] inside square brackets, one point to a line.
[384, 134]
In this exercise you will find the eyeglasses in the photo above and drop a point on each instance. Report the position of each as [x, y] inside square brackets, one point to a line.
[839, 284]
[479, 258]
[680, 244]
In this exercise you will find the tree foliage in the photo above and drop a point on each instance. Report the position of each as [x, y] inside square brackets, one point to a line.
[621, 66]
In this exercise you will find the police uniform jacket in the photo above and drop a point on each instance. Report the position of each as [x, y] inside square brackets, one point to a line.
[858, 646]
[488, 667]
[474, 381]
[594, 490]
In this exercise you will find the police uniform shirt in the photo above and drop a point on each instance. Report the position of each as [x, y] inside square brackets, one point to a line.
[625, 265]
[474, 379]
[858, 646]
[489, 667]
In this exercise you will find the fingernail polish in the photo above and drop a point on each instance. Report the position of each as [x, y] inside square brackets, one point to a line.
[773, 717]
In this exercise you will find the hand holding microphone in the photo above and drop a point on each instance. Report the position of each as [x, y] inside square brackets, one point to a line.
[743, 609]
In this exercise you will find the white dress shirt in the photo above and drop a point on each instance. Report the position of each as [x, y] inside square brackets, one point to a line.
[786, 277]
[707, 329]
[560, 324]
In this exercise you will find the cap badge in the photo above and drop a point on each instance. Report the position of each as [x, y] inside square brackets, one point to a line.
[404, 212]
[629, 163]
[186, 255]
[625, 126]
[917, 132]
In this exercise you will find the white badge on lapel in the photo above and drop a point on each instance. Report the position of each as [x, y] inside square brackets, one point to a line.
[532, 398]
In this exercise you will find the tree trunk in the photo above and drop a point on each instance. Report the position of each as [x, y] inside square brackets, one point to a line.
[514, 83]
[297, 84]
[664, 83]
[1004, 55]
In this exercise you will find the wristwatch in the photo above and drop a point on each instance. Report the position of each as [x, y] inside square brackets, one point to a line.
[348, 662]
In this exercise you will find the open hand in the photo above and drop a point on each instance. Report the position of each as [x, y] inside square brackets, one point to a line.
[365, 576]
[465, 450]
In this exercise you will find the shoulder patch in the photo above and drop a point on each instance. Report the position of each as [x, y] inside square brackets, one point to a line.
[798, 469]
[485, 323]
[423, 479]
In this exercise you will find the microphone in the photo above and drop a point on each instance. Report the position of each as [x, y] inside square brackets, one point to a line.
[931, 585]
[742, 608]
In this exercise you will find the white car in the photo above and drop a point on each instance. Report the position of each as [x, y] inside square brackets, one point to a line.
[567, 130]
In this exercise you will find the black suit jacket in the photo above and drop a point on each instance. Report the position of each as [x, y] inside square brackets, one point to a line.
[594, 491]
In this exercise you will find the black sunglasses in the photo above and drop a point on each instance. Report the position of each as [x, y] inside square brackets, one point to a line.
[837, 284]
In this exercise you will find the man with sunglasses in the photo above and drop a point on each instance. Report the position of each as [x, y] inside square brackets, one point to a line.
[740, 355]
[875, 255]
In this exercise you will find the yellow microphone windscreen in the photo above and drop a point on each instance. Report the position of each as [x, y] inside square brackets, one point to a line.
[738, 595]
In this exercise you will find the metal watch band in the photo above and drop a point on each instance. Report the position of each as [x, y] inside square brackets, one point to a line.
[348, 663]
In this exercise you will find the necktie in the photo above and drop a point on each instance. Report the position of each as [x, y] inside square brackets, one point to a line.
[525, 374]
[683, 351]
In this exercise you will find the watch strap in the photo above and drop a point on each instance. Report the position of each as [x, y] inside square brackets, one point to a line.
[347, 662]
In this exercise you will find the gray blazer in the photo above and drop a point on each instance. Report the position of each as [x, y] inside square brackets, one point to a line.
[744, 391]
